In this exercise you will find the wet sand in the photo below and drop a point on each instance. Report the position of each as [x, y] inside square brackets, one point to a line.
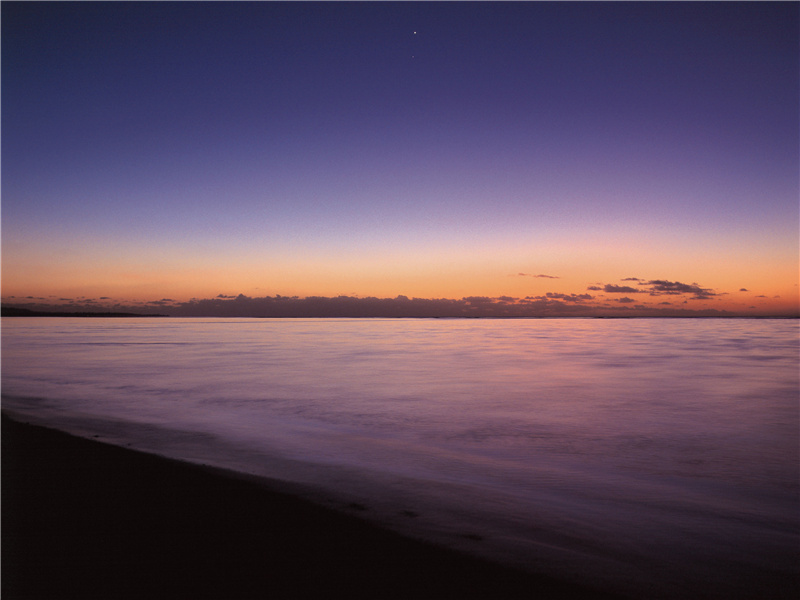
[83, 519]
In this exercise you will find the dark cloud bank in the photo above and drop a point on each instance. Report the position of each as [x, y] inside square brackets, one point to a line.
[609, 300]
[550, 305]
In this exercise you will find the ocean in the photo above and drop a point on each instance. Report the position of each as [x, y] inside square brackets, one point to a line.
[658, 458]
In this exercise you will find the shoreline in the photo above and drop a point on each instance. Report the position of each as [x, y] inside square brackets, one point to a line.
[86, 519]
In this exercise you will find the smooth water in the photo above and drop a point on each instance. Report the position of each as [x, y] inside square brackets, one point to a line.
[656, 457]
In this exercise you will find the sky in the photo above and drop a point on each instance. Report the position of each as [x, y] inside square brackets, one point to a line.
[528, 157]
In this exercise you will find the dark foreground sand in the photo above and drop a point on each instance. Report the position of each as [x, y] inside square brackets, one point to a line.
[82, 519]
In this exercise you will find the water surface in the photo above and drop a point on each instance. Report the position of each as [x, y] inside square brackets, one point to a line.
[658, 457]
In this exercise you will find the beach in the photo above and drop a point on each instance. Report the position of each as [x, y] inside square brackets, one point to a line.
[84, 519]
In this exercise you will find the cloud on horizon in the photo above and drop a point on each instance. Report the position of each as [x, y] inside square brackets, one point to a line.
[659, 287]
[549, 304]
[621, 289]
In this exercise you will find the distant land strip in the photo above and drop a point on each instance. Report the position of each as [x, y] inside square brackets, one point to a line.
[10, 311]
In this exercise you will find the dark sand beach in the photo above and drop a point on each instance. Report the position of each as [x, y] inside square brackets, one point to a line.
[83, 519]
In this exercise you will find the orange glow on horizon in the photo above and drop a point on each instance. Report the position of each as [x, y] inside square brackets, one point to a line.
[514, 268]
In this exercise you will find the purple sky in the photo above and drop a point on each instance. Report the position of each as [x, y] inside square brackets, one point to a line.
[191, 149]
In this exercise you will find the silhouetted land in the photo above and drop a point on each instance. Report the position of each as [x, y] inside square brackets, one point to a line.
[10, 311]
[367, 311]
[83, 519]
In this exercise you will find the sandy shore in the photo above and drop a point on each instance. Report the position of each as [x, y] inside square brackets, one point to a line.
[82, 519]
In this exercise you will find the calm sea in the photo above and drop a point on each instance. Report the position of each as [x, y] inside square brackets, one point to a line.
[657, 457]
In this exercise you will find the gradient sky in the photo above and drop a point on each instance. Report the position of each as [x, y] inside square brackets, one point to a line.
[160, 152]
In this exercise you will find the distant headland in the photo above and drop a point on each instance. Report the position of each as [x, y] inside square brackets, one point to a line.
[10, 311]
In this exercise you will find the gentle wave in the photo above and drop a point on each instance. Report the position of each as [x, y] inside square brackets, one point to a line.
[644, 454]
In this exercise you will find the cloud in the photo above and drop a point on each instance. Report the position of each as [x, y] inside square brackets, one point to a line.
[659, 287]
[620, 289]
[662, 286]
[398, 307]
[676, 296]
[538, 276]
[162, 302]
[477, 300]
[743, 290]
[569, 297]
[552, 304]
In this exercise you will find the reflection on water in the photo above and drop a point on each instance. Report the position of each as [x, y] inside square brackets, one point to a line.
[658, 457]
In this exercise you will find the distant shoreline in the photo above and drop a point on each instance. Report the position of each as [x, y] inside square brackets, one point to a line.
[24, 312]
[10, 311]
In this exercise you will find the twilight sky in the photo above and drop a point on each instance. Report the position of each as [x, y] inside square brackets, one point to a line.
[574, 158]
